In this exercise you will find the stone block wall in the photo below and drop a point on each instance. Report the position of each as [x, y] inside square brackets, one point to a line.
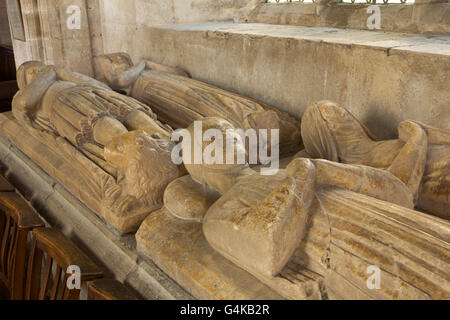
[5, 36]
[382, 78]
[424, 16]
[125, 27]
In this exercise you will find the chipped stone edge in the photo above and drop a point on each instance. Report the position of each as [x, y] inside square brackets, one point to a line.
[61, 209]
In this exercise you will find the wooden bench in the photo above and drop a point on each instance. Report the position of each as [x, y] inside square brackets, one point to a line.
[52, 253]
[45, 276]
[17, 219]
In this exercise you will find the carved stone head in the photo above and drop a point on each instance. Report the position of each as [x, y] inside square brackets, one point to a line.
[114, 63]
[27, 72]
[218, 176]
[144, 165]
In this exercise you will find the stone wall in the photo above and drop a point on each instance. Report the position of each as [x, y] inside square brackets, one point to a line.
[5, 36]
[425, 16]
[125, 27]
[32, 48]
[107, 26]
[383, 78]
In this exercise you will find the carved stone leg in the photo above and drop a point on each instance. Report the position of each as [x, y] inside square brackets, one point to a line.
[188, 200]
[409, 165]
[376, 183]
[352, 232]
[138, 120]
[260, 222]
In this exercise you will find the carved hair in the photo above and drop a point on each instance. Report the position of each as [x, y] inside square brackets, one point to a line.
[146, 166]
[114, 63]
[148, 172]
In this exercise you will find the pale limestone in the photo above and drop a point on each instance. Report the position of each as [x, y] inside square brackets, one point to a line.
[381, 77]
[179, 100]
[310, 232]
[419, 158]
[109, 150]
[187, 200]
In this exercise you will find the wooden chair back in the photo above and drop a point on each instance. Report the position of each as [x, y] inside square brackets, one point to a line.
[17, 219]
[50, 257]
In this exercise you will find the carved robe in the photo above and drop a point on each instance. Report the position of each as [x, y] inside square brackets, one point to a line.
[420, 157]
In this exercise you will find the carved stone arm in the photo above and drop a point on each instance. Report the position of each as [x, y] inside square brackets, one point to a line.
[78, 78]
[26, 100]
[409, 165]
[159, 67]
[373, 182]
[126, 78]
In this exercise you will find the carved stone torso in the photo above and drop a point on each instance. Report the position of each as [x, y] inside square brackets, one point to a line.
[179, 101]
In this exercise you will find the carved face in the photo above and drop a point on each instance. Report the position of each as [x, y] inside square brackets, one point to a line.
[204, 172]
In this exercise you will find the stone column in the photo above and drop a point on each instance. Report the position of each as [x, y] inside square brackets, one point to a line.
[66, 46]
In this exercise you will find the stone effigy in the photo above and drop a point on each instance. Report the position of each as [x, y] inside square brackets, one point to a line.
[179, 100]
[420, 157]
[311, 231]
[107, 149]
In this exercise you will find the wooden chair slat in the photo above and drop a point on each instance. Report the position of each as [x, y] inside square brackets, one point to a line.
[17, 219]
[11, 250]
[2, 227]
[46, 280]
[16, 207]
[18, 269]
[35, 280]
[64, 253]
[56, 283]
[72, 294]
[64, 288]
[5, 241]
[34, 273]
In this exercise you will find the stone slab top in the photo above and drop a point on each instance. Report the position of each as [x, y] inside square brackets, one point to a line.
[425, 44]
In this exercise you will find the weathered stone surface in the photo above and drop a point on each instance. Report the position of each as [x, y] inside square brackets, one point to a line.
[259, 223]
[307, 234]
[116, 254]
[427, 16]
[108, 149]
[419, 158]
[180, 249]
[354, 232]
[5, 36]
[61, 166]
[188, 200]
[179, 101]
[381, 77]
